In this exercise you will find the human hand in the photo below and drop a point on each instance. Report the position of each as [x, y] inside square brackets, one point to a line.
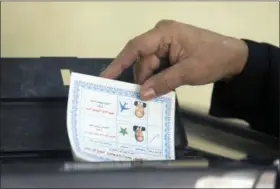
[196, 57]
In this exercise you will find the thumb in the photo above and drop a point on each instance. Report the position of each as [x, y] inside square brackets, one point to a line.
[163, 82]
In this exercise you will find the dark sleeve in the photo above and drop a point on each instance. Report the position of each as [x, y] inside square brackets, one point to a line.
[253, 95]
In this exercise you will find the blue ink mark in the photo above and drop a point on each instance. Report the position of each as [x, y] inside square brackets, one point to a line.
[123, 106]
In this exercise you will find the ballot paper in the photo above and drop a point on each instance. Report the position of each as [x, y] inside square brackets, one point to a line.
[107, 121]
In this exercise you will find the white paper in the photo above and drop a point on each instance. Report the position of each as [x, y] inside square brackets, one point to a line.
[105, 124]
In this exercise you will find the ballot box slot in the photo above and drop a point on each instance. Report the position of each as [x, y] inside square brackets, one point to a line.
[187, 165]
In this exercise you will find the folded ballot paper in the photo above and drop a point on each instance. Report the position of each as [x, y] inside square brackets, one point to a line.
[106, 121]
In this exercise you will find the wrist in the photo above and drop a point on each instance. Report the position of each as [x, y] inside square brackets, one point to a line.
[238, 53]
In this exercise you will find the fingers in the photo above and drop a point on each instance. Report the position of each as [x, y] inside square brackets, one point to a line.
[145, 67]
[163, 82]
[143, 45]
[175, 53]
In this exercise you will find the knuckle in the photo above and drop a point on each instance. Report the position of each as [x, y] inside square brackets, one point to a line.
[131, 47]
[164, 22]
[131, 44]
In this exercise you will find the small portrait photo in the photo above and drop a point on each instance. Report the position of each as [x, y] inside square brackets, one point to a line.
[139, 133]
[139, 108]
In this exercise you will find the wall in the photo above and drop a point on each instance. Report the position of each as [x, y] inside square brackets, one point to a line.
[101, 29]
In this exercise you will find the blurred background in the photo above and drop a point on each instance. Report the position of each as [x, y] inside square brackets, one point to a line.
[101, 29]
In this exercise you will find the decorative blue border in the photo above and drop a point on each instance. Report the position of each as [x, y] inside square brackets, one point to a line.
[78, 85]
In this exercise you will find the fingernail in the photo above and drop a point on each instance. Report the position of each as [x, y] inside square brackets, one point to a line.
[149, 93]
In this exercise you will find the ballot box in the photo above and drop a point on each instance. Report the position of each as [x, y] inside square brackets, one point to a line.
[35, 150]
[34, 95]
[34, 101]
